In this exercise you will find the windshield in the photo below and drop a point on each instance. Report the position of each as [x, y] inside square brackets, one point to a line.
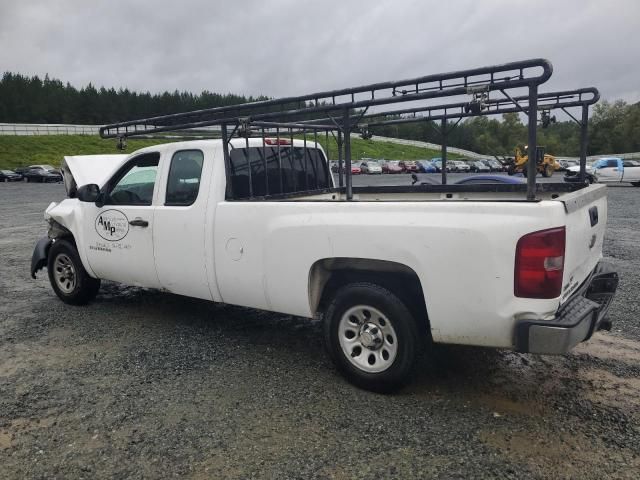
[6, 172]
[394, 162]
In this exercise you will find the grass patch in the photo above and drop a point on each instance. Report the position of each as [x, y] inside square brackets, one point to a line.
[17, 151]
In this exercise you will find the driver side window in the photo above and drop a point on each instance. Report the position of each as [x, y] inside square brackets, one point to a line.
[135, 183]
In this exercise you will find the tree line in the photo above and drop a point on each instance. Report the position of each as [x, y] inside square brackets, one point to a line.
[26, 99]
[613, 127]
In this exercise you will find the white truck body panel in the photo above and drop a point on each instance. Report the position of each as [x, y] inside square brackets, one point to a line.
[260, 254]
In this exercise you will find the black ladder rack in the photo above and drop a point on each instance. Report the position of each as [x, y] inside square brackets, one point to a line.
[346, 110]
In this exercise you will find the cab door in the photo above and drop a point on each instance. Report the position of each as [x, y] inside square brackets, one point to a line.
[182, 224]
[118, 236]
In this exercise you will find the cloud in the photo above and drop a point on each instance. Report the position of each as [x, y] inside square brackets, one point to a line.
[286, 47]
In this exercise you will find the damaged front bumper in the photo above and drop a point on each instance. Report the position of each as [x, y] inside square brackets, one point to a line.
[576, 320]
[39, 256]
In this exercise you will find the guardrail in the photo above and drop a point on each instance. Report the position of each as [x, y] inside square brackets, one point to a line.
[47, 129]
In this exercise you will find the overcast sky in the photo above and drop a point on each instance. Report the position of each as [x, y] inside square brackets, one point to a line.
[285, 47]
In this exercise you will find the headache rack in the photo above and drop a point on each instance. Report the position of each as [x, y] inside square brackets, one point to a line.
[357, 110]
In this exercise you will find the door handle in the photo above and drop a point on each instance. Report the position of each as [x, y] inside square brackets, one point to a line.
[138, 222]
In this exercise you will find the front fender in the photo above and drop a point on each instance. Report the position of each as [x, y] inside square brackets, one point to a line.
[40, 254]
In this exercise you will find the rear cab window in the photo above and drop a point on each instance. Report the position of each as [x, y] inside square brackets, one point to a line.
[288, 170]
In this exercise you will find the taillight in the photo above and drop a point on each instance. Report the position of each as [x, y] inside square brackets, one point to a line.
[540, 264]
[275, 141]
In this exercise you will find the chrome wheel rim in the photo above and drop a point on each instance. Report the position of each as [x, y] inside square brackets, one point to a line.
[64, 273]
[367, 339]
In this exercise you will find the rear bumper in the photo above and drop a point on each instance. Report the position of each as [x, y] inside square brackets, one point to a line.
[576, 320]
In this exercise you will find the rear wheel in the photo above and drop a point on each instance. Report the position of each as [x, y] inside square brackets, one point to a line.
[69, 279]
[372, 337]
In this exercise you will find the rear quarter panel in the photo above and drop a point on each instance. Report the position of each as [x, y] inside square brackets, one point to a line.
[462, 252]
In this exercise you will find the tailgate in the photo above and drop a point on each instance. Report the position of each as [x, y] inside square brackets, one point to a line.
[586, 221]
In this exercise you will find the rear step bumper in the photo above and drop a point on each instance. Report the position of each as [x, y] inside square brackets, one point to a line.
[576, 320]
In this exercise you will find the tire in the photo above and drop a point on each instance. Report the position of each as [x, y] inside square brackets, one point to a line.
[67, 276]
[547, 171]
[386, 334]
[511, 170]
[524, 171]
[636, 184]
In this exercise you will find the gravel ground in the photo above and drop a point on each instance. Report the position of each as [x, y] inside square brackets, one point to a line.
[141, 384]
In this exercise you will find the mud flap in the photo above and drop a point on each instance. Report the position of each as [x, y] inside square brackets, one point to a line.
[40, 253]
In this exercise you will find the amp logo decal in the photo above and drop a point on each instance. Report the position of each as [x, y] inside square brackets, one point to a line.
[112, 225]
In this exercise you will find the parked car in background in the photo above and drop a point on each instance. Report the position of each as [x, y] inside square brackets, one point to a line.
[371, 167]
[610, 170]
[425, 166]
[355, 170]
[459, 166]
[437, 162]
[9, 176]
[408, 166]
[479, 167]
[42, 173]
[494, 165]
[392, 166]
[21, 170]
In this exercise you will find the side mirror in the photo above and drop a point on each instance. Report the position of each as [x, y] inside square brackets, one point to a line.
[88, 193]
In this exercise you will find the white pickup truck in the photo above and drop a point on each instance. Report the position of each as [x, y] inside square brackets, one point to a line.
[383, 270]
[611, 170]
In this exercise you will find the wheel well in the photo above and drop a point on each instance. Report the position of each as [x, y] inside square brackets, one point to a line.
[328, 275]
[59, 232]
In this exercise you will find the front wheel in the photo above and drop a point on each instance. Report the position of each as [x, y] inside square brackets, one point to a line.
[372, 337]
[67, 275]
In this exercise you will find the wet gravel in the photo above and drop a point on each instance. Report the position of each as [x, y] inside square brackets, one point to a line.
[142, 384]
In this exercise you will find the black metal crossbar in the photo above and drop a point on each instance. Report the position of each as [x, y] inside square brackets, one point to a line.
[506, 76]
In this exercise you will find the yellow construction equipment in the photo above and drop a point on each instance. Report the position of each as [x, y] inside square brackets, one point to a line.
[546, 164]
